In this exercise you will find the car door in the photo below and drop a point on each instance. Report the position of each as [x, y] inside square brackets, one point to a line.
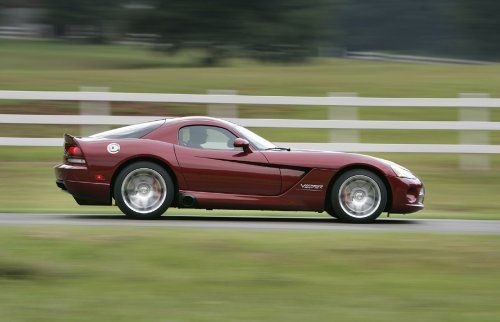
[211, 163]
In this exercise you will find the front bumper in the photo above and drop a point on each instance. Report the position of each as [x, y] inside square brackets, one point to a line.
[75, 180]
[407, 195]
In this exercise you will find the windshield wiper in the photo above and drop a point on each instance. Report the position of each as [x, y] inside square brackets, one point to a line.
[279, 148]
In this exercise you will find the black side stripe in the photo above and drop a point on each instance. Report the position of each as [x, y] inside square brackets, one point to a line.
[267, 165]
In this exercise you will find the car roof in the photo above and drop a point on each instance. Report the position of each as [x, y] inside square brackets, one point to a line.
[168, 132]
[201, 120]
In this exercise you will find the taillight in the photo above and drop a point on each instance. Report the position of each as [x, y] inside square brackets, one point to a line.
[74, 154]
[75, 151]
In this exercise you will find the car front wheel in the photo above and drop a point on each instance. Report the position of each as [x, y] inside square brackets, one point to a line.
[143, 190]
[358, 196]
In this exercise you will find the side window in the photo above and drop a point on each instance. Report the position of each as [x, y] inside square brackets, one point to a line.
[206, 137]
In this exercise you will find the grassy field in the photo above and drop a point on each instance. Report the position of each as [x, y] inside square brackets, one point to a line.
[61, 66]
[63, 273]
[82, 274]
[29, 65]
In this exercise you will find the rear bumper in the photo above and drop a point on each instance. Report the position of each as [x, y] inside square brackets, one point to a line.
[60, 184]
[75, 180]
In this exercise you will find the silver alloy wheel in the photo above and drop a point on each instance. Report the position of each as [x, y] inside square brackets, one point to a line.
[359, 196]
[144, 190]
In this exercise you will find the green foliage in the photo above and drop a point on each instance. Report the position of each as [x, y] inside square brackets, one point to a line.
[291, 30]
[480, 21]
[264, 29]
[400, 25]
[97, 14]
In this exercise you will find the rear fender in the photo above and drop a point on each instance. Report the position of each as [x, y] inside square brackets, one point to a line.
[105, 163]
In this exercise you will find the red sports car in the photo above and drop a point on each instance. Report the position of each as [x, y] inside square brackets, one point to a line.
[207, 163]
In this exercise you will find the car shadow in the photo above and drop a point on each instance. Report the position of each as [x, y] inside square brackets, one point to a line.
[383, 221]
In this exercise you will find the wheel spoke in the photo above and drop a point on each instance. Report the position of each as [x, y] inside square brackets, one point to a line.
[144, 190]
[359, 196]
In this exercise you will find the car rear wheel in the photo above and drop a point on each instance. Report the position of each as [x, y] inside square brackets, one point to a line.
[358, 196]
[143, 190]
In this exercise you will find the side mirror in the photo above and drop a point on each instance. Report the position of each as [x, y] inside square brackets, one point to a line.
[242, 143]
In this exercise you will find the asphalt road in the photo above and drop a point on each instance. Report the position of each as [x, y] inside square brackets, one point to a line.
[276, 223]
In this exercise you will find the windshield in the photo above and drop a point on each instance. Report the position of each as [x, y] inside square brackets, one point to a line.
[259, 142]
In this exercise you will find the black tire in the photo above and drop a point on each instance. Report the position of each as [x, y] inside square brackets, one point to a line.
[339, 209]
[157, 173]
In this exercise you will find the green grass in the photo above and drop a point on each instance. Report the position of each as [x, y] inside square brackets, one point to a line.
[61, 66]
[28, 65]
[152, 274]
[149, 274]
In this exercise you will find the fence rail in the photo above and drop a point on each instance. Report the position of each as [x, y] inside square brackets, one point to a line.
[247, 99]
[275, 123]
[467, 104]
[366, 55]
[343, 147]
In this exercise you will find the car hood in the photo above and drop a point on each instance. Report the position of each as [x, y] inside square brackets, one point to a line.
[325, 159]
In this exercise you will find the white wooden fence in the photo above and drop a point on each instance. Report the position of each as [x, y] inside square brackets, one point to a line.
[481, 103]
[253, 100]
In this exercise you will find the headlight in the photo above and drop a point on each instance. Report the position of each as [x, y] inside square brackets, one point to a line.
[402, 172]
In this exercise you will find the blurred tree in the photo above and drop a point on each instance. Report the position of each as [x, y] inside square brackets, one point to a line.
[481, 24]
[265, 29]
[397, 25]
[285, 30]
[288, 30]
[95, 14]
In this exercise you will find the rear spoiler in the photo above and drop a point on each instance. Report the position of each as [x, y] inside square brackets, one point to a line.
[70, 140]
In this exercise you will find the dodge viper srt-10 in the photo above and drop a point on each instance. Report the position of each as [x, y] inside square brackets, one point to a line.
[208, 163]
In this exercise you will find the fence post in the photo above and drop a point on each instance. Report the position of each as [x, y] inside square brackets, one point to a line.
[474, 161]
[94, 108]
[222, 110]
[343, 113]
